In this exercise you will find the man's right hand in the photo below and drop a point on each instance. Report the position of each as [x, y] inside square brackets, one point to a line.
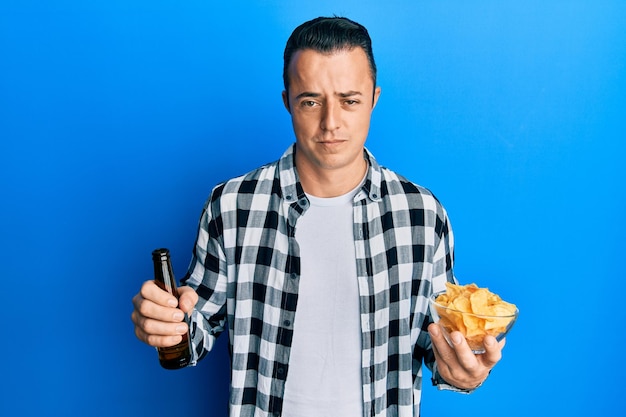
[159, 317]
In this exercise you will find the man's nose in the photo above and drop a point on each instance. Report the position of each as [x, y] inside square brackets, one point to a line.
[331, 117]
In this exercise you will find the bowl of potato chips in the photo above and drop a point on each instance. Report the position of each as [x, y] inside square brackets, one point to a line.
[473, 311]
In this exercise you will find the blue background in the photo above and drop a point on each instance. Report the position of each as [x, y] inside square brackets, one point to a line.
[118, 117]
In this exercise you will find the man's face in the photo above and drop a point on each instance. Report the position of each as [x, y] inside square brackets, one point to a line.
[330, 98]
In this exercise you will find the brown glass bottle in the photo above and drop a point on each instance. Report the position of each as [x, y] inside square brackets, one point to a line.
[177, 356]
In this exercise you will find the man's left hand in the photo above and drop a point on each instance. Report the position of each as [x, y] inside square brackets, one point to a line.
[457, 364]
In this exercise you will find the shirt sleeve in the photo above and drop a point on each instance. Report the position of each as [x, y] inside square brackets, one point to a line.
[207, 275]
[443, 258]
[443, 271]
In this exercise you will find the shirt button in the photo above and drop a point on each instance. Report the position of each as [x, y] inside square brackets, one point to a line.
[287, 323]
[288, 197]
[302, 202]
[293, 275]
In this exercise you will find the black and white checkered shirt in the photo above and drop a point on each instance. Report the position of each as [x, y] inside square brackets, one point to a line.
[246, 270]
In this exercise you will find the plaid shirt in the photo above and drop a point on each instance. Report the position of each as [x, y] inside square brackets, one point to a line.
[246, 270]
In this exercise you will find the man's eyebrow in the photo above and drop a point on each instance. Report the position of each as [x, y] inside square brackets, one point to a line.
[307, 94]
[350, 93]
[310, 94]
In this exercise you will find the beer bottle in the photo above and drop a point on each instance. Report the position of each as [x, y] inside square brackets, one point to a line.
[177, 356]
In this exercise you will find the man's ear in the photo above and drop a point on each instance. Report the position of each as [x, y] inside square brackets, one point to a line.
[377, 92]
[286, 101]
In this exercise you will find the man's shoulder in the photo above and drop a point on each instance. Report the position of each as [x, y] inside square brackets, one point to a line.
[395, 185]
[242, 183]
[399, 184]
[259, 181]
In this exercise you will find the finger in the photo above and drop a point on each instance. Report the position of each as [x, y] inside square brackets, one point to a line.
[158, 333]
[153, 302]
[493, 351]
[436, 336]
[188, 298]
[444, 353]
[463, 352]
[147, 309]
[157, 340]
[151, 291]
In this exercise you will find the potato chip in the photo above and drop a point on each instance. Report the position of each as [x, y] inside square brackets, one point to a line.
[488, 313]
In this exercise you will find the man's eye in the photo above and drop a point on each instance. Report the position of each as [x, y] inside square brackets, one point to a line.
[351, 102]
[308, 103]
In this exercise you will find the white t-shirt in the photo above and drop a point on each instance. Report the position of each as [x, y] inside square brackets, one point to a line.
[324, 378]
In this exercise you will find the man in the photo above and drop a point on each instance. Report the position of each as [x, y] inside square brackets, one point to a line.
[321, 263]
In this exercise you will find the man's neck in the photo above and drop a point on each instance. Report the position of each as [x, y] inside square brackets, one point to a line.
[326, 183]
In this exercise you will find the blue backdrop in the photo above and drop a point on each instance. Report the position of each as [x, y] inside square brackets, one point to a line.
[118, 117]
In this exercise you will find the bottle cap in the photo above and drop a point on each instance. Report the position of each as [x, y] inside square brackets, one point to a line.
[159, 254]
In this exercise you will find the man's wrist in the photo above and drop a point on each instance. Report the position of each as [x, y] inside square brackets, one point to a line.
[442, 384]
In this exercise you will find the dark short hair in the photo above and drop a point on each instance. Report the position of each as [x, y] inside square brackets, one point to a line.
[327, 35]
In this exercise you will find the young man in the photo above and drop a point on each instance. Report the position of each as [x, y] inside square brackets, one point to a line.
[321, 264]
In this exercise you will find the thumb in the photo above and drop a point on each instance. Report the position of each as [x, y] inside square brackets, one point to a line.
[187, 298]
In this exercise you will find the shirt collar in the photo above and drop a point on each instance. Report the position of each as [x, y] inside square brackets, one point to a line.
[292, 189]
